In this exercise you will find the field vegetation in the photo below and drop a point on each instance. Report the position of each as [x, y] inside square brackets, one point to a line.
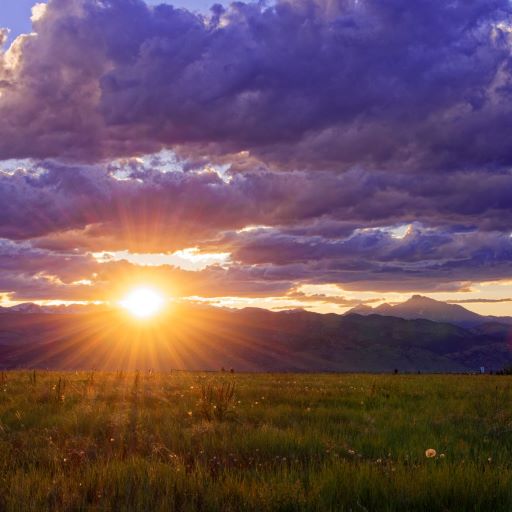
[233, 442]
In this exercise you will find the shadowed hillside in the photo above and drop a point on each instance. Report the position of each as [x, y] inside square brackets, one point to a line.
[204, 338]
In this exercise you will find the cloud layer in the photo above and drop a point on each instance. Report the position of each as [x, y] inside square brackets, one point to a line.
[364, 143]
[281, 229]
[304, 83]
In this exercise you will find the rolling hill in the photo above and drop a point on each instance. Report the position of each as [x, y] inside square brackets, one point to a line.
[207, 338]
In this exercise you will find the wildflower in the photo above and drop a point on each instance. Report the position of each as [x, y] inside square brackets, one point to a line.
[351, 452]
[441, 456]
[430, 453]
[489, 459]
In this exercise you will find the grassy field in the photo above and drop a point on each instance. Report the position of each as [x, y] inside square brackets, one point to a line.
[191, 441]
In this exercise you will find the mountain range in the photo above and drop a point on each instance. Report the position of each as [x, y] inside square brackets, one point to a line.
[190, 337]
[429, 309]
[29, 308]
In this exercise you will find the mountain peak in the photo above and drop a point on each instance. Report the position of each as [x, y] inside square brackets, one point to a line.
[422, 299]
[26, 307]
[421, 307]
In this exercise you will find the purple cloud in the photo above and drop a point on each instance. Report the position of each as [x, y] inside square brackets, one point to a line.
[302, 84]
[335, 124]
[182, 209]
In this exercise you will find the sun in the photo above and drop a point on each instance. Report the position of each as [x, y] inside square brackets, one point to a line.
[143, 302]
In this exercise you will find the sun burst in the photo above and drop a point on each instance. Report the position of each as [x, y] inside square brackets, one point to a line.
[143, 302]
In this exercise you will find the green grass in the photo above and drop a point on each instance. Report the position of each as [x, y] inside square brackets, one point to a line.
[118, 442]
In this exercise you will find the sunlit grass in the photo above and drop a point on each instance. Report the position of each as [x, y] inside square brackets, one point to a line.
[143, 441]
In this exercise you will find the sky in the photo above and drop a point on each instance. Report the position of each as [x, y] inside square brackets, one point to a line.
[303, 153]
[15, 14]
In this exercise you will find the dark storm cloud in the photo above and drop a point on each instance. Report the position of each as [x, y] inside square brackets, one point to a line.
[421, 255]
[437, 259]
[304, 83]
[68, 207]
[149, 209]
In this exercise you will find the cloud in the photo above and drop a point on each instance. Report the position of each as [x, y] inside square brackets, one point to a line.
[32, 273]
[281, 229]
[480, 301]
[266, 263]
[329, 299]
[148, 209]
[4, 34]
[301, 84]
[38, 12]
[374, 259]
[92, 207]
[359, 143]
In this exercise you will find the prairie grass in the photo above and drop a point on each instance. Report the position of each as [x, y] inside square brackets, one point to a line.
[231, 442]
